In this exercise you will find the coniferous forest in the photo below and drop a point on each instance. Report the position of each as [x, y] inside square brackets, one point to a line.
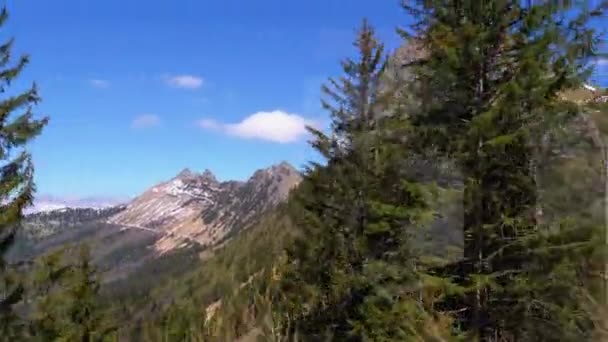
[461, 196]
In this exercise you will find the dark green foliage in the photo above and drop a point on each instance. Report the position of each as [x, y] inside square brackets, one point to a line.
[152, 274]
[182, 322]
[41, 232]
[40, 225]
[63, 302]
[46, 314]
[489, 87]
[84, 318]
[348, 274]
[17, 128]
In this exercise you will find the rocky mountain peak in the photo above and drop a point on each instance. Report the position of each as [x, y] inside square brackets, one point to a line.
[197, 208]
[284, 167]
[189, 176]
[209, 176]
[185, 174]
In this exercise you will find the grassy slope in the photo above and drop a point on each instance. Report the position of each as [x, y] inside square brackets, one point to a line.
[213, 276]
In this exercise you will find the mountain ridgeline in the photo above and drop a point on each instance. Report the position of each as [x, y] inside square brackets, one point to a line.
[191, 211]
[196, 208]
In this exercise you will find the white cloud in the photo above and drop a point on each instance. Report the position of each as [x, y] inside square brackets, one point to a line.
[146, 121]
[601, 61]
[97, 83]
[184, 81]
[275, 126]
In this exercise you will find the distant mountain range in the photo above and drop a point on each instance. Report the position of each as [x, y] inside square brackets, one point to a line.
[191, 210]
[43, 203]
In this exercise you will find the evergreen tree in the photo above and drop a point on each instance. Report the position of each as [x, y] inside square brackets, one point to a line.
[488, 86]
[46, 297]
[17, 128]
[84, 321]
[349, 274]
[184, 322]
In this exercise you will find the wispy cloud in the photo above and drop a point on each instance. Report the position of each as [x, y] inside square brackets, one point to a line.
[184, 81]
[275, 126]
[145, 121]
[98, 83]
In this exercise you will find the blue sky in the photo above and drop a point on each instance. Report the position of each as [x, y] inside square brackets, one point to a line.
[138, 90]
[127, 83]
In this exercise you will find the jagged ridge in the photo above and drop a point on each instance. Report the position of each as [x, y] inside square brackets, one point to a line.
[197, 208]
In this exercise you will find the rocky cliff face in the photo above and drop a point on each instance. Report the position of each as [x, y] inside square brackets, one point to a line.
[197, 208]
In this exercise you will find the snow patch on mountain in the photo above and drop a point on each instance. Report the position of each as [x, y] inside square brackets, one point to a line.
[45, 203]
[197, 207]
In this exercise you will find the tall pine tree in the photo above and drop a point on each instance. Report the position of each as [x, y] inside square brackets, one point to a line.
[17, 129]
[47, 316]
[488, 86]
[84, 319]
[348, 275]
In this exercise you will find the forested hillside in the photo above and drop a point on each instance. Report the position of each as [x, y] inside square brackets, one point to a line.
[461, 196]
[41, 231]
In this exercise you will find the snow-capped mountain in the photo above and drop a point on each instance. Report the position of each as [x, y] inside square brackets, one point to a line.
[45, 203]
[190, 184]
